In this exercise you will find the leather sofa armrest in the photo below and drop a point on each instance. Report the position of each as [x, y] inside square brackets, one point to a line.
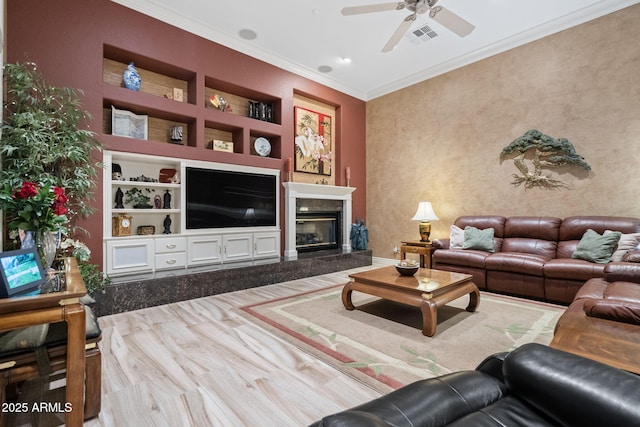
[440, 243]
[622, 272]
[453, 395]
[632, 256]
[619, 311]
[572, 390]
[492, 365]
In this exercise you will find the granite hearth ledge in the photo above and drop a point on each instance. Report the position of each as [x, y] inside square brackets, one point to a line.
[149, 292]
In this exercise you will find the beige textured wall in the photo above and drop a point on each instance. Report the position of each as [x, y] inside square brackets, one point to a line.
[440, 140]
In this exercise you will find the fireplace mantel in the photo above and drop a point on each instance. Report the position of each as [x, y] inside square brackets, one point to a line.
[300, 190]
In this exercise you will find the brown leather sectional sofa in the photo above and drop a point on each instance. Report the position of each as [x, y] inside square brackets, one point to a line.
[603, 321]
[533, 255]
[533, 258]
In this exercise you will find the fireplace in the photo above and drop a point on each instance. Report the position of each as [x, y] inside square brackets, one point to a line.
[302, 199]
[316, 231]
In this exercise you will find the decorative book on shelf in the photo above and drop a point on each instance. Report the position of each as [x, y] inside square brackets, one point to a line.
[125, 123]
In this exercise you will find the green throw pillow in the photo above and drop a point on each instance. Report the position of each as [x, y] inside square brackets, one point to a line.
[598, 248]
[481, 240]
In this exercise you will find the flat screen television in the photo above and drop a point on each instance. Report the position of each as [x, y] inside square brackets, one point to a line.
[221, 199]
[21, 272]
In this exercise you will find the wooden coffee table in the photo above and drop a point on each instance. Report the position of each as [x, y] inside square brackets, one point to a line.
[427, 289]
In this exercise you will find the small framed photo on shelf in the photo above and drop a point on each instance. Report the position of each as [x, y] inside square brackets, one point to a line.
[178, 94]
[219, 145]
[130, 125]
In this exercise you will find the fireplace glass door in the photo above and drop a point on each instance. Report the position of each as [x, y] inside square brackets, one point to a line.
[317, 231]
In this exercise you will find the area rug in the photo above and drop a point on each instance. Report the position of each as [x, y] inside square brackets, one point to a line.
[381, 342]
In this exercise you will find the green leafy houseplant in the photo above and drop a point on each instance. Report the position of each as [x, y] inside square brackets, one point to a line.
[94, 279]
[45, 138]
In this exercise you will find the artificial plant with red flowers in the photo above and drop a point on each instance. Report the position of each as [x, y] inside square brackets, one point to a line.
[35, 207]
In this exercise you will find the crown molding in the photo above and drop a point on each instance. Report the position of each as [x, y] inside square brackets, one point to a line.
[176, 19]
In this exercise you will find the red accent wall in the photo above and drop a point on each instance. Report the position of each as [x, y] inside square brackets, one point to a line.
[65, 38]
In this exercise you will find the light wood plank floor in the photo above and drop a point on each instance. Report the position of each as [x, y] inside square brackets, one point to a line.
[200, 363]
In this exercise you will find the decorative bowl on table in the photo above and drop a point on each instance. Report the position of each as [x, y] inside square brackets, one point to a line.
[407, 268]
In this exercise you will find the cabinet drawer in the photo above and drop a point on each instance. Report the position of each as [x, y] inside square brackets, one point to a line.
[171, 244]
[171, 260]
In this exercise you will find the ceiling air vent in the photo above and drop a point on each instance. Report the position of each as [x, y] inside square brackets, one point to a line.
[422, 34]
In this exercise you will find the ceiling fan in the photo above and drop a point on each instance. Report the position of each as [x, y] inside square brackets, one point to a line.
[439, 14]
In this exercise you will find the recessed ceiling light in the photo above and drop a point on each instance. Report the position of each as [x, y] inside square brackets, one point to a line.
[247, 34]
[325, 69]
[345, 60]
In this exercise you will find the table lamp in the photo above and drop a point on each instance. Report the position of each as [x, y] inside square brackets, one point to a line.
[424, 214]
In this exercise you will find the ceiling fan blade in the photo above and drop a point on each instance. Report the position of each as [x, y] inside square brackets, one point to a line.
[402, 29]
[357, 10]
[451, 21]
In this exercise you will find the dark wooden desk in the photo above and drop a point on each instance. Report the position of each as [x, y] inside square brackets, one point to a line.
[424, 249]
[63, 306]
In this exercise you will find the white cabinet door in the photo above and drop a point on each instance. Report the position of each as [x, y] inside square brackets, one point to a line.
[237, 247]
[266, 245]
[129, 256]
[204, 249]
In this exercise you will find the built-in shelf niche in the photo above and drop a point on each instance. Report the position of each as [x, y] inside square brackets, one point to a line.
[238, 99]
[220, 132]
[200, 121]
[158, 78]
[160, 122]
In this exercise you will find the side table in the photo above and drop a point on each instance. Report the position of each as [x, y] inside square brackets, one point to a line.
[424, 249]
[64, 306]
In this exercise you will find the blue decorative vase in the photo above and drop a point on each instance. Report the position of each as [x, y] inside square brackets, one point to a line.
[131, 77]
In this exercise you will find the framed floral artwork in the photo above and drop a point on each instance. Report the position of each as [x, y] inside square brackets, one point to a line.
[312, 142]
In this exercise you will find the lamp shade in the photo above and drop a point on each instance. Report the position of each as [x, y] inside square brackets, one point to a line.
[425, 213]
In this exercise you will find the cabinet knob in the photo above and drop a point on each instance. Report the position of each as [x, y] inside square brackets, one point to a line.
[169, 246]
[171, 261]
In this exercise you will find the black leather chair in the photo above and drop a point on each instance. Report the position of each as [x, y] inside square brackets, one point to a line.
[534, 385]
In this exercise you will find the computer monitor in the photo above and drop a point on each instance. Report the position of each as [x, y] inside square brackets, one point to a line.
[21, 272]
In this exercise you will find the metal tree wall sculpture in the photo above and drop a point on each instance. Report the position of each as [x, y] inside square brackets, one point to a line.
[548, 152]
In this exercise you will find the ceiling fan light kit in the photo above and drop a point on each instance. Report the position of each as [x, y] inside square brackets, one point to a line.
[441, 15]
